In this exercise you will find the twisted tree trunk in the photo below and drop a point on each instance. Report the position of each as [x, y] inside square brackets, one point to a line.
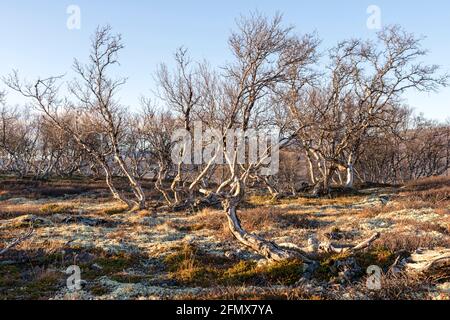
[429, 262]
[268, 249]
[115, 193]
[350, 176]
[134, 184]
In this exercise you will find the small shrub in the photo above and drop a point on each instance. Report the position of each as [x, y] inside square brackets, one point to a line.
[16, 284]
[324, 272]
[260, 200]
[114, 210]
[99, 290]
[111, 265]
[399, 287]
[285, 273]
[251, 293]
[276, 273]
[45, 284]
[191, 266]
[186, 227]
[427, 183]
[397, 242]
[379, 256]
[55, 208]
[242, 272]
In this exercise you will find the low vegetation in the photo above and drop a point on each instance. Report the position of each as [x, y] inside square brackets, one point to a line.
[353, 181]
[177, 255]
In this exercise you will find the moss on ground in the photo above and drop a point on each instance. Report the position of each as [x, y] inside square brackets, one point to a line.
[191, 266]
[42, 275]
[379, 256]
[114, 210]
[110, 265]
[18, 283]
[54, 208]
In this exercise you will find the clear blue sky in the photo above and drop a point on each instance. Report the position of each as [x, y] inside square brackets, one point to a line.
[35, 39]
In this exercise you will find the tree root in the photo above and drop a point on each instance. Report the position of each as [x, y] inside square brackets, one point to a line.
[428, 262]
[330, 248]
[314, 248]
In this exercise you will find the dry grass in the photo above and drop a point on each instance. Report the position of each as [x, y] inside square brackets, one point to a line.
[9, 211]
[399, 287]
[398, 242]
[190, 265]
[431, 192]
[114, 210]
[163, 261]
[57, 208]
[253, 220]
[252, 293]
[213, 220]
[428, 226]
[438, 197]
[334, 199]
[36, 189]
[428, 183]
[410, 201]
[39, 274]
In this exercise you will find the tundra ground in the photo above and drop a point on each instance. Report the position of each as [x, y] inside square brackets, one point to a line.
[158, 254]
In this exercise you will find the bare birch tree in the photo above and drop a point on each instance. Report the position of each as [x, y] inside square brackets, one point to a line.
[96, 117]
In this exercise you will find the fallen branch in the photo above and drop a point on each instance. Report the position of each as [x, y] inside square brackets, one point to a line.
[17, 241]
[365, 244]
[314, 248]
[428, 261]
[328, 247]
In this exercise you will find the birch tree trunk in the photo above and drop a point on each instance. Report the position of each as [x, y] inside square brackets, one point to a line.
[350, 176]
[312, 176]
[264, 247]
[268, 249]
[134, 184]
[350, 173]
[115, 193]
